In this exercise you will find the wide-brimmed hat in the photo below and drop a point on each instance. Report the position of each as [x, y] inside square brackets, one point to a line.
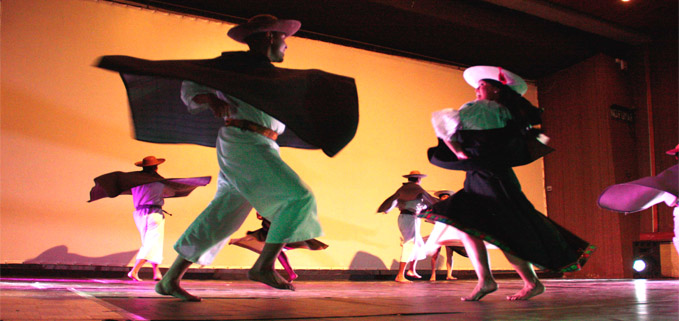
[473, 74]
[673, 151]
[446, 192]
[415, 174]
[263, 23]
[150, 161]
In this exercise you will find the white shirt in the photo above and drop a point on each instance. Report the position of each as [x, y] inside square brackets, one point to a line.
[148, 194]
[241, 109]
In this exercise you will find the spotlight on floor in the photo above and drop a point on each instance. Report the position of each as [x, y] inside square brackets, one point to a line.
[646, 262]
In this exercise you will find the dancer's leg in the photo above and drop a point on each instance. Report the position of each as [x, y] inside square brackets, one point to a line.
[412, 272]
[531, 284]
[478, 255]
[134, 273]
[169, 284]
[401, 277]
[449, 264]
[263, 269]
[286, 266]
[433, 264]
[156, 272]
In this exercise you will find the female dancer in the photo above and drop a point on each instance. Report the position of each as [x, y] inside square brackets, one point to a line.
[486, 138]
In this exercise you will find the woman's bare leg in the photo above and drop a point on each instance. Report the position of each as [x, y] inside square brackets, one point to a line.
[286, 266]
[412, 272]
[531, 284]
[478, 254]
[449, 264]
[433, 264]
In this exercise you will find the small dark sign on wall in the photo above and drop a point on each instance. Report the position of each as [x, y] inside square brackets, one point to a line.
[622, 113]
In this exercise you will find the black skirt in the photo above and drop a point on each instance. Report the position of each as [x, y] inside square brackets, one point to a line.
[492, 207]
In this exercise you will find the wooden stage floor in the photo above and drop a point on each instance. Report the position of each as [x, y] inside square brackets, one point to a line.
[118, 299]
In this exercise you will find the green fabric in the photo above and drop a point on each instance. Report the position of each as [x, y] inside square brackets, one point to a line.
[483, 114]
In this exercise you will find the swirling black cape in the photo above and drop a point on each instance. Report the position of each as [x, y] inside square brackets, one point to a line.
[117, 183]
[490, 148]
[319, 109]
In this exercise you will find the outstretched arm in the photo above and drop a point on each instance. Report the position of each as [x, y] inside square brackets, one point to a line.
[388, 204]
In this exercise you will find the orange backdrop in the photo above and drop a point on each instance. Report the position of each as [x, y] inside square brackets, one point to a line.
[65, 122]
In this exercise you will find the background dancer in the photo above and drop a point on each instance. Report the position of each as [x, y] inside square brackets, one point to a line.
[443, 235]
[410, 199]
[148, 190]
[255, 240]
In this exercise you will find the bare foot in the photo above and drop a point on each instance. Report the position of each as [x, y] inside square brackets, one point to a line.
[450, 277]
[480, 291]
[157, 277]
[402, 279]
[527, 292]
[432, 278]
[133, 276]
[270, 278]
[413, 274]
[165, 288]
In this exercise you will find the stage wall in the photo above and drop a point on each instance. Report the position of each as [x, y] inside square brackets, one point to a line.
[65, 122]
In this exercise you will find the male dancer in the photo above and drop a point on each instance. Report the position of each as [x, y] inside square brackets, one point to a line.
[254, 103]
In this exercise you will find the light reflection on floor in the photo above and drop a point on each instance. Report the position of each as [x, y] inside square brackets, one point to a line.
[346, 300]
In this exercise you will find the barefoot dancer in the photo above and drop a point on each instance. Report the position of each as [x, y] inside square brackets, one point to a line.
[443, 235]
[254, 241]
[254, 103]
[486, 138]
[410, 199]
[149, 191]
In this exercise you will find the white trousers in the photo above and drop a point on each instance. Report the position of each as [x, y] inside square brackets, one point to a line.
[412, 243]
[151, 226]
[252, 174]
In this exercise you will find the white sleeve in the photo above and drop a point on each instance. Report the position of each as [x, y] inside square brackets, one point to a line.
[445, 123]
[191, 89]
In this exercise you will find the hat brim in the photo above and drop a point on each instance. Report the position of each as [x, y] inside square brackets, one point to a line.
[157, 162]
[476, 73]
[241, 32]
[439, 193]
[415, 175]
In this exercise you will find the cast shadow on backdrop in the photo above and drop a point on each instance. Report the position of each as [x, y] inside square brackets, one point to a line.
[60, 255]
[364, 261]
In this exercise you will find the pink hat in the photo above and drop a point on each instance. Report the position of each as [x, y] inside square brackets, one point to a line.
[473, 74]
[674, 151]
[263, 23]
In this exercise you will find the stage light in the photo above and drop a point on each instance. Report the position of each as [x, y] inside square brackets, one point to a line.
[639, 265]
[646, 260]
